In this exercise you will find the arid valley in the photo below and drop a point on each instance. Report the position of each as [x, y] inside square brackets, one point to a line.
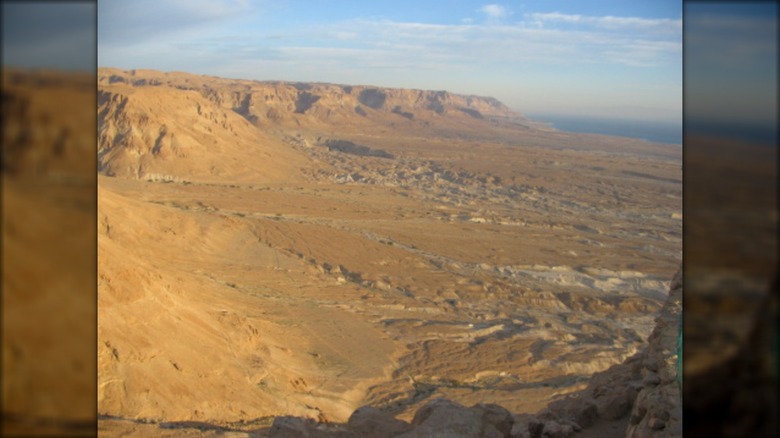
[269, 248]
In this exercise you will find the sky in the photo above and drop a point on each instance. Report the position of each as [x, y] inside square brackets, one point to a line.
[602, 58]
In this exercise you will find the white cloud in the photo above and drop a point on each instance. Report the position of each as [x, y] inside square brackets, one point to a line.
[522, 42]
[494, 12]
[123, 22]
[555, 17]
[656, 26]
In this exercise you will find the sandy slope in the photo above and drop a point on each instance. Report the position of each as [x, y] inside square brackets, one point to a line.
[217, 320]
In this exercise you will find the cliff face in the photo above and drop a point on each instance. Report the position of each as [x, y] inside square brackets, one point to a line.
[266, 103]
[179, 126]
[163, 132]
[657, 410]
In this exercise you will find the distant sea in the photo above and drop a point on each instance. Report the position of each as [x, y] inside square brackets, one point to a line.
[658, 132]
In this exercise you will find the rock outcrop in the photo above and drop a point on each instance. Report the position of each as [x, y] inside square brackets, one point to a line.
[257, 101]
[657, 410]
[643, 389]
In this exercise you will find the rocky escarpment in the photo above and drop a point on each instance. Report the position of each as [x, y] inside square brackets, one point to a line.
[183, 126]
[274, 103]
[637, 398]
[657, 410]
[153, 130]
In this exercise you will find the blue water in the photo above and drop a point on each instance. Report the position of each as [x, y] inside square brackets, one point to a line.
[658, 132]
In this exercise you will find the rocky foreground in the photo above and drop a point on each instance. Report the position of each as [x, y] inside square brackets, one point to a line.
[637, 398]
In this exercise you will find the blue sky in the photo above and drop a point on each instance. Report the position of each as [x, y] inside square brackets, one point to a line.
[597, 58]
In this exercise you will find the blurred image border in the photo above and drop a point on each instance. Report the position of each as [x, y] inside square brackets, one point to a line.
[42, 182]
[730, 230]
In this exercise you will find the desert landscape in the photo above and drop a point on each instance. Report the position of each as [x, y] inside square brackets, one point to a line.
[273, 249]
[322, 256]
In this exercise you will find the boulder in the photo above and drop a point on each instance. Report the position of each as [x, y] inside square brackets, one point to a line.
[496, 416]
[370, 422]
[442, 418]
[617, 404]
[295, 427]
